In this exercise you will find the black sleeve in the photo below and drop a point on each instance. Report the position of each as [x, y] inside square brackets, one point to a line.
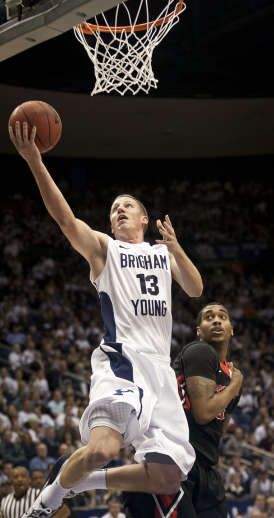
[200, 359]
[178, 365]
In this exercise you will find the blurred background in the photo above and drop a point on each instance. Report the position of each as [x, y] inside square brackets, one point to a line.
[199, 148]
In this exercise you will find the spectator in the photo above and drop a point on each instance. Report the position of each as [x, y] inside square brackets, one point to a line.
[10, 451]
[64, 449]
[38, 478]
[15, 357]
[235, 444]
[3, 477]
[26, 414]
[41, 461]
[41, 383]
[68, 426]
[268, 441]
[6, 379]
[259, 505]
[246, 407]
[7, 469]
[237, 467]
[44, 419]
[261, 415]
[260, 431]
[28, 355]
[28, 445]
[51, 441]
[114, 510]
[268, 462]
[66, 417]
[23, 495]
[270, 506]
[57, 403]
[235, 490]
[5, 488]
[16, 336]
[262, 484]
[68, 440]
[34, 428]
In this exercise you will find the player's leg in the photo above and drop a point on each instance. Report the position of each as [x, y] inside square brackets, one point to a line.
[73, 476]
[149, 478]
[209, 493]
[104, 444]
[143, 505]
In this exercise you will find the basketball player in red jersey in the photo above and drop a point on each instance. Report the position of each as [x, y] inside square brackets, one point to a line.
[210, 388]
[133, 397]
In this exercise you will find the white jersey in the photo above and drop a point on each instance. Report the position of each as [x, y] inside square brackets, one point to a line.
[135, 294]
[133, 388]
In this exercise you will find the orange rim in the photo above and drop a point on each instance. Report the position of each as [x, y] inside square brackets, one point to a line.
[89, 28]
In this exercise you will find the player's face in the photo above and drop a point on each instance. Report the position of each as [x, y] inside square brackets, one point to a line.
[125, 216]
[215, 326]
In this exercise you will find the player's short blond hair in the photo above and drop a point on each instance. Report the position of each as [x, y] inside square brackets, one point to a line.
[142, 207]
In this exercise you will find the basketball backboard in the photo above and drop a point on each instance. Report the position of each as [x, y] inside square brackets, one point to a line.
[46, 20]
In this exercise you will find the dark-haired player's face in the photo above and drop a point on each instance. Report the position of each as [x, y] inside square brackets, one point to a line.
[126, 214]
[215, 326]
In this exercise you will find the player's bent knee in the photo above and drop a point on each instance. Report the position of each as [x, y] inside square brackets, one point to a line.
[98, 457]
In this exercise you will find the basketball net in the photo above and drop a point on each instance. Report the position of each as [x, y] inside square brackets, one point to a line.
[122, 54]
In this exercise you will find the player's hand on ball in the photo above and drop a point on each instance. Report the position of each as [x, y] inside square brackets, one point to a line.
[24, 144]
[168, 234]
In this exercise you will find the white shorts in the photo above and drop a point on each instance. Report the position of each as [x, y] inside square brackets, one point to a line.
[156, 421]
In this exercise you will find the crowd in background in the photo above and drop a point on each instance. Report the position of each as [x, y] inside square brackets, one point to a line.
[50, 323]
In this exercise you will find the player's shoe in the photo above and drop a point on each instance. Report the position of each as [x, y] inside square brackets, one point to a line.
[38, 508]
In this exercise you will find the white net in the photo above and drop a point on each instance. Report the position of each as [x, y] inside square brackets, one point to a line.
[122, 54]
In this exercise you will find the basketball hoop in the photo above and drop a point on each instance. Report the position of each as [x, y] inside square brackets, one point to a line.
[122, 54]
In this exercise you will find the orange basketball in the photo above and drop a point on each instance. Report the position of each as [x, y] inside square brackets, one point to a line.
[44, 117]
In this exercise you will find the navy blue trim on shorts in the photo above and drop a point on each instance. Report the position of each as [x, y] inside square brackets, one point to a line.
[121, 366]
[141, 393]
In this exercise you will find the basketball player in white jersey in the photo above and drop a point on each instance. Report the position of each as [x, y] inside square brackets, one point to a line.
[133, 396]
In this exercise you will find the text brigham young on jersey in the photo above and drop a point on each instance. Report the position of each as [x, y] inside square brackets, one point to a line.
[148, 262]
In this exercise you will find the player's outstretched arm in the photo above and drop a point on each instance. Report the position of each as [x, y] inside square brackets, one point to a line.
[91, 244]
[182, 268]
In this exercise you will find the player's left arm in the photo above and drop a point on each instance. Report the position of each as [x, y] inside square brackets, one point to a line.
[182, 268]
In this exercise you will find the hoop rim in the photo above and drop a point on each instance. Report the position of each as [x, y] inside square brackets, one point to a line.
[89, 28]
